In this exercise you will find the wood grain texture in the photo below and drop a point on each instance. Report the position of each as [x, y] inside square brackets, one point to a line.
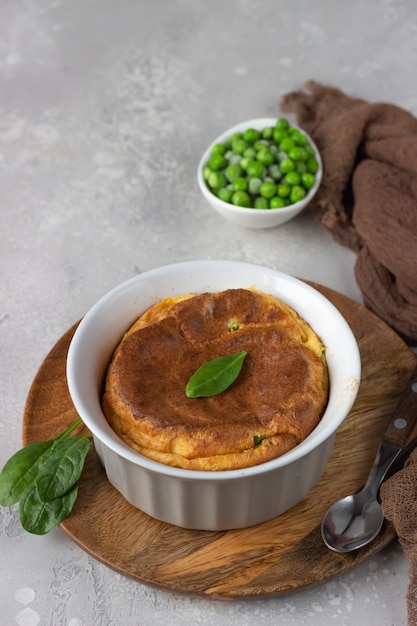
[281, 556]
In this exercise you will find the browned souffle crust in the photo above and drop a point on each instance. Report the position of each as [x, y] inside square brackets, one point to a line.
[275, 403]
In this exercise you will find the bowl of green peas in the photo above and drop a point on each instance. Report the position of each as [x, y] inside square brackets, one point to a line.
[260, 173]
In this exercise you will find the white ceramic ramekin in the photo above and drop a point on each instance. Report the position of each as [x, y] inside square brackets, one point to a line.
[210, 500]
[255, 218]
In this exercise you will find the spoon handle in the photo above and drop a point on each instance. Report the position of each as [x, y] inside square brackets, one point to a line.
[385, 457]
[405, 415]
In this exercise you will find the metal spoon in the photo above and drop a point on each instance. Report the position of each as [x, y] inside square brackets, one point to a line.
[354, 521]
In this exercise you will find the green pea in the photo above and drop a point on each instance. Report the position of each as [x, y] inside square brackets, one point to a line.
[253, 186]
[235, 159]
[299, 138]
[218, 148]
[292, 178]
[286, 144]
[310, 150]
[240, 184]
[241, 198]
[260, 145]
[234, 137]
[265, 157]
[300, 167]
[277, 203]
[233, 171]
[225, 194]
[274, 171]
[244, 162]
[267, 132]
[312, 166]
[282, 123]
[251, 135]
[268, 189]
[283, 190]
[206, 172]
[250, 152]
[217, 180]
[298, 154]
[281, 155]
[239, 146]
[217, 162]
[308, 180]
[297, 193]
[255, 169]
[260, 203]
[286, 165]
[279, 134]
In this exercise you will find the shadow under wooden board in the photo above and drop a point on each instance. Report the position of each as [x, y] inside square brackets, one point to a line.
[282, 556]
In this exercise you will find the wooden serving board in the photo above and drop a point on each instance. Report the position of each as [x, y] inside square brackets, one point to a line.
[277, 557]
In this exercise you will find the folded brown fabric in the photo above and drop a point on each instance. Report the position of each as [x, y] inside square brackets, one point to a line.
[399, 504]
[368, 197]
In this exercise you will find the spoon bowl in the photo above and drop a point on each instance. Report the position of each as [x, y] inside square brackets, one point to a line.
[352, 522]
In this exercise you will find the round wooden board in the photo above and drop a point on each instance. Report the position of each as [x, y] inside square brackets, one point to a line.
[278, 557]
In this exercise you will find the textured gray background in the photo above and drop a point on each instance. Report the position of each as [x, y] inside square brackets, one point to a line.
[105, 109]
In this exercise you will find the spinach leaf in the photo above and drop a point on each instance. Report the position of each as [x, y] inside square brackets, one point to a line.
[21, 470]
[40, 517]
[43, 477]
[23, 467]
[215, 376]
[61, 467]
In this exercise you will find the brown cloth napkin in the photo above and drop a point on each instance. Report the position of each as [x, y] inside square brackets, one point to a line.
[368, 197]
[399, 503]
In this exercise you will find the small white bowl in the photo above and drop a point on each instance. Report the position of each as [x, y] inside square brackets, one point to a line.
[255, 218]
[196, 499]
